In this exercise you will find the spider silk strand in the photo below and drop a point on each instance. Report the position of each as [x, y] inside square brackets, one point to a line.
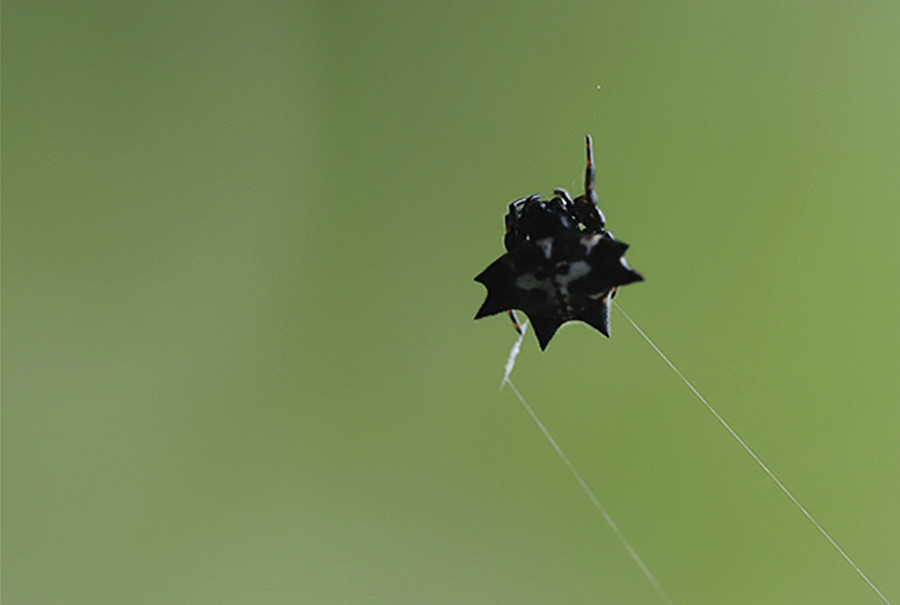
[753, 455]
[510, 364]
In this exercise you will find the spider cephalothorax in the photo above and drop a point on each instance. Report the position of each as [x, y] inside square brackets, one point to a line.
[561, 264]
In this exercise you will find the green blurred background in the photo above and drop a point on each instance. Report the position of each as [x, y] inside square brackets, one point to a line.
[240, 361]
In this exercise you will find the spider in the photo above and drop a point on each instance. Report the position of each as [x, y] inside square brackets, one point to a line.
[560, 265]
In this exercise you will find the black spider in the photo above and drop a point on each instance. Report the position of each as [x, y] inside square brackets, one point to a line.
[561, 264]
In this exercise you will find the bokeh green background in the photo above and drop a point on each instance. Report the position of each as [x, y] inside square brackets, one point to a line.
[240, 361]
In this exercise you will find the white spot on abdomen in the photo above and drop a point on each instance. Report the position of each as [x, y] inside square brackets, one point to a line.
[527, 281]
[546, 246]
[576, 271]
[589, 242]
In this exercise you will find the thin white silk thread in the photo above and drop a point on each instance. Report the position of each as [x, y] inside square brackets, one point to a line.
[510, 363]
[753, 455]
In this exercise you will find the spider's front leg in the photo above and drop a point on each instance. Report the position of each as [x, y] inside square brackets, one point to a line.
[585, 206]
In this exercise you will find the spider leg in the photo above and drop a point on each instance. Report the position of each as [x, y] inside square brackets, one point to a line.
[589, 171]
[520, 203]
[515, 320]
[512, 237]
[585, 206]
[514, 210]
[564, 195]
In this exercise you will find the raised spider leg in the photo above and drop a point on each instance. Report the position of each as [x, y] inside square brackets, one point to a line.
[589, 171]
[585, 206]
